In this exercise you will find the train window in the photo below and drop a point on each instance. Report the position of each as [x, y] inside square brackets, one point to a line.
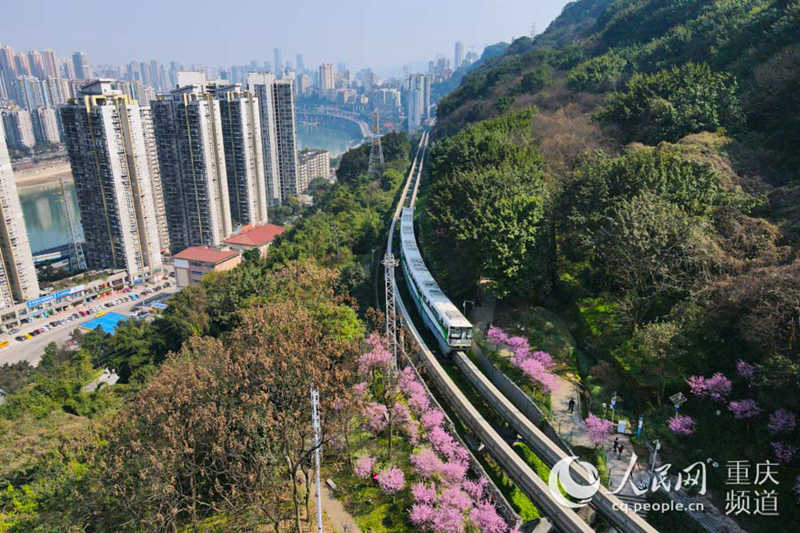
[455, 333]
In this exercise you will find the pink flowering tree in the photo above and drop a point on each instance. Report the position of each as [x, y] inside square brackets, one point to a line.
[745, 370]
[391, 480]
[484, 516]
[599, 428]
[783, 452]
[363, 466]
[717, 387]
[535, 365]
[681, 425]
[782, 421]
[744, 408]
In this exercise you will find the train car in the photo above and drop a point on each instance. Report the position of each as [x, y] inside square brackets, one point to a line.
[451, 329]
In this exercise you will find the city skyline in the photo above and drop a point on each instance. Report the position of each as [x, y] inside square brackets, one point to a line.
[340, 35]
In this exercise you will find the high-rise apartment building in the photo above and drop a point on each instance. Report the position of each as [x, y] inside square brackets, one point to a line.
[418, 101]
[286, 136]
[45, 126]
[36, 63]
[23, 65]
[156, 185]
[327, 77]
[106, 145]
[80, 66]
[50, 63]
[459, 54]
[298, 64]
[313, 164]
[191, 156]
[30, 93]
[260, 83]
[19, 128]
[57, 91]
[244, 161]
[17, 272]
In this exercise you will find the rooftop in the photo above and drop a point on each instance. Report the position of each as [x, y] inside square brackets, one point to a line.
[204, 254]
[255, 235]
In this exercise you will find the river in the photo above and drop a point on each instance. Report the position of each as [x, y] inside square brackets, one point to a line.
[43, 207]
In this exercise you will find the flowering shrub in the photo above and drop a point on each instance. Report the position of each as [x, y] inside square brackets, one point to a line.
[745, 370]
[681, 425]
[391, 480]
[744, 408]
[453, 472]
[474, 488]
[783, 452]
[379, 356]
[455, 497]
[717, 387]
[426, 463]
[599, 428]
[423, 493]
[432, 419]
[485, 516]
[376, 416]
[363, 466]
[536, 365]
[782, 421]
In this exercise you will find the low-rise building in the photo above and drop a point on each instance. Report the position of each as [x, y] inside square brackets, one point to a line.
[196, 261]
[254, 237]
[313, 164]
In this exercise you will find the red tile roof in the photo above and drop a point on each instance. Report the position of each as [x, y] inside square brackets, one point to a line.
[204, 254]
[255, 236]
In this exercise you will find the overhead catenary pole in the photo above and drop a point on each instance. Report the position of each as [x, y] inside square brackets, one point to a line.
[315, 424]
[389, 264]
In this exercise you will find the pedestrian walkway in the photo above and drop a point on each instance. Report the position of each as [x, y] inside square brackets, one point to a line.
[335, 516]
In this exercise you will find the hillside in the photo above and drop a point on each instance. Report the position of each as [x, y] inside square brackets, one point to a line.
[634, 170]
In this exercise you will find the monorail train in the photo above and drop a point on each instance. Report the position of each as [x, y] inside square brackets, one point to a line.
[451, 329]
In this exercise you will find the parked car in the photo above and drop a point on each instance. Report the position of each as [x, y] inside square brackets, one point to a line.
[14, 330]
[20, 338]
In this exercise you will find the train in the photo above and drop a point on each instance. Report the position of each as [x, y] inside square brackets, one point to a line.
[449, 326]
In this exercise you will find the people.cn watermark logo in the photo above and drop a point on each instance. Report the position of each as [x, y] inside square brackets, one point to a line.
[560, 478]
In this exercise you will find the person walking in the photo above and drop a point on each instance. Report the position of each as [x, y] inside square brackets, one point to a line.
[616, 444]
[620, 448]
[571, 406]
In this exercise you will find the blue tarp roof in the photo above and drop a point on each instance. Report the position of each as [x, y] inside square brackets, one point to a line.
[108, 322]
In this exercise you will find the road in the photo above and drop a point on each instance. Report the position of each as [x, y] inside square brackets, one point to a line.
[31, 350]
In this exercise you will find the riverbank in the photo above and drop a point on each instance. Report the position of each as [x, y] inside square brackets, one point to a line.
[42, 174]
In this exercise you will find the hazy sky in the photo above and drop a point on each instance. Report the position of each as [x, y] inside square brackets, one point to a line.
[382, 34]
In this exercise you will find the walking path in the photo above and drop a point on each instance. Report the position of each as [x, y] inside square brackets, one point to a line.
[335, 517]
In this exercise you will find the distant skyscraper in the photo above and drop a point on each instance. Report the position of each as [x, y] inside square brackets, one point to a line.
[45, 125]
[23, 65]
[50, 62]
[327, 77]
[188, 132]
[459, 54]
[19, 128]
[278, 62]
[261, 85]
[17, 272]
[241, 134]
[36, 63]
[58, 91]
[286, 135]
[299, 66]
[415, 108]
[7, 63]
[29, 93]
[105, 140]
[80, 66]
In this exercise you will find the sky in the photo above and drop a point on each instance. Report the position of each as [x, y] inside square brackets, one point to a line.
[378, 33]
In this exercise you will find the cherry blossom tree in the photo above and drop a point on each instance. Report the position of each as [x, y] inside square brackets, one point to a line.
[599, 428]
[363, 466]
[423, 493]
[681, 425]
[391, 480]
[782, 421]
[783, 452]
[377, 416]
[717, 387]
[745, 370]
[744, 408]
[426, 463]
[485, 517]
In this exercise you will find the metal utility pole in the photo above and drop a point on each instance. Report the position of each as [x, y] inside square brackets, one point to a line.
[316, 427]
[389, 264]
[376, 150]
[80, 260]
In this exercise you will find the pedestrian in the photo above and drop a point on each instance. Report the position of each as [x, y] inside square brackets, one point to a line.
[616, 444]
[571, 407]
[619, 451]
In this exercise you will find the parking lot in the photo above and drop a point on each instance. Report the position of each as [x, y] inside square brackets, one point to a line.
[59, 327]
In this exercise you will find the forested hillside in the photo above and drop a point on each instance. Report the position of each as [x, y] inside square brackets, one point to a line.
[634, 169]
